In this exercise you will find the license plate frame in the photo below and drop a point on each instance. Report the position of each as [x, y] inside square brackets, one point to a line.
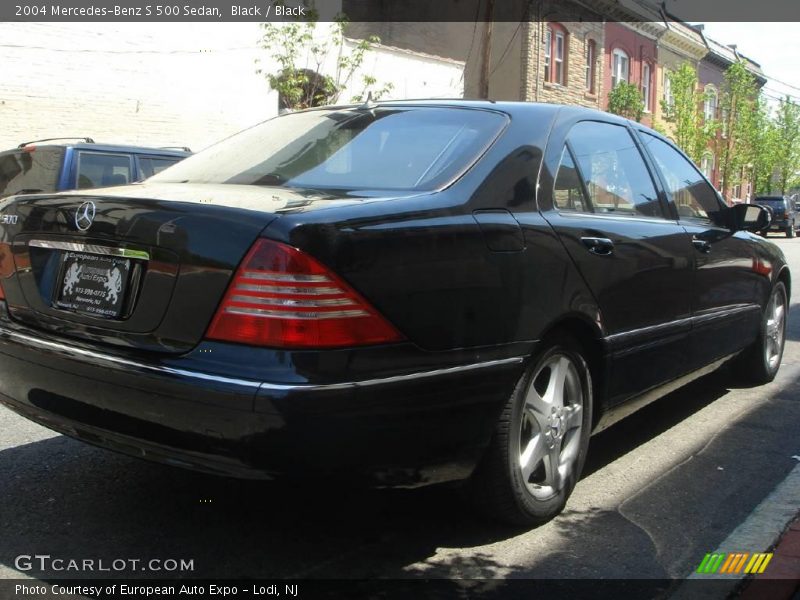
[94, 285]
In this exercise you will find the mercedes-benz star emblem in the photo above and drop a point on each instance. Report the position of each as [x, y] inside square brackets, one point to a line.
[84, 216]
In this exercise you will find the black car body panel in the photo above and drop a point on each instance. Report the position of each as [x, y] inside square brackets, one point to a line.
[473, 274]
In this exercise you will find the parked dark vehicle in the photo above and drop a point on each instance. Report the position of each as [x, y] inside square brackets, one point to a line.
[53, 165]
[784, 215]
[400, 294]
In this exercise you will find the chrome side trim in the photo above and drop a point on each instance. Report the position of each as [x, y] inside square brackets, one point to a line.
[70, 351]
[90, 249]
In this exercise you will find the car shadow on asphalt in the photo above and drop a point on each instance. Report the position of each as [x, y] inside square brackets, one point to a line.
[67, 499]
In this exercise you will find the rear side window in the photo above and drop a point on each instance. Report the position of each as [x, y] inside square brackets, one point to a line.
[614, 171]
[568, 194]
[390, 148]
[30, 170]
[101, 169]
[693, 196]
[151, 165]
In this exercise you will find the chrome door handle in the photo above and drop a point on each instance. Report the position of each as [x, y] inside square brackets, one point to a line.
[598, 245]
[701, 246]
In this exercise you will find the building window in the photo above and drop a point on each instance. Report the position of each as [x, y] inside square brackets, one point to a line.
[710, 105]
[548, 47]
[620, 67]
[555, 54]
[669, 99]
[646, 86]
[591, 53]
[707, 165]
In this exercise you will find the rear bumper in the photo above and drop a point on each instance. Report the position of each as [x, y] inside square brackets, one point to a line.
[409, 429]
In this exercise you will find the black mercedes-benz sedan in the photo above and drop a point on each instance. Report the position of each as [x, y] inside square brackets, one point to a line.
[396, 294]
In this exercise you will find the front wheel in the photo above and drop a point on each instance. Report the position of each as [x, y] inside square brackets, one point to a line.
[540, 441]
[760, 362]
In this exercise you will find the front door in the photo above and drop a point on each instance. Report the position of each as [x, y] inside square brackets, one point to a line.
[725, 313]
[605, 207]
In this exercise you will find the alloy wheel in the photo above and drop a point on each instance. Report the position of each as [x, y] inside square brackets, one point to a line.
[775, 329]
[550, 428]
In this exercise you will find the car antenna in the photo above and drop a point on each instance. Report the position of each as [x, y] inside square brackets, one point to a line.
[369, 103]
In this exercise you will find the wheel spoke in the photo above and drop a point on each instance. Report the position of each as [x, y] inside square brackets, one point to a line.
[536, 406]
[552, 474]
[573, 416]
[532, 456]
[554, 395]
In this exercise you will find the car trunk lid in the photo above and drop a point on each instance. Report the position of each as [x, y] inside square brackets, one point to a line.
[137, 266]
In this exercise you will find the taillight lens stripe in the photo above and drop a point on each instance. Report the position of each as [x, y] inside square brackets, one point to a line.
[293, 302]
[275, 289]
[280, 314]
[272, 276]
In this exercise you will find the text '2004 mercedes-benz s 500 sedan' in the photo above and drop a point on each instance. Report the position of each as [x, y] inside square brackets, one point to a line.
[395, 294]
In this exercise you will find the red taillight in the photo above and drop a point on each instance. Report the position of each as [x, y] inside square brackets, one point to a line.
[284, 298]
[6, 266]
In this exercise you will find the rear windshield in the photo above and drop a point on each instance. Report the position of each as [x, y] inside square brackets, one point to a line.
[30, 171]
[391, 148]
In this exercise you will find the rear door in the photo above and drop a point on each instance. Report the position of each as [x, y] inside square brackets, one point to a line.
[606, 209]
[726, 314]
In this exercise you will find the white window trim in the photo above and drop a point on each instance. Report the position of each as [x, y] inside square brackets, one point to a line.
[710, 103]
[617, 57]
[647, 77]
[558, 62]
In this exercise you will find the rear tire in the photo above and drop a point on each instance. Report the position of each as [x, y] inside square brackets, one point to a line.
[539, 445]
[759, 363]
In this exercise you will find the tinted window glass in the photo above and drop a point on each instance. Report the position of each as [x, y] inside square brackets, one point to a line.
[614, 171]
[97, 169]
[399, 148]
[693, 196]
[771, 201]
[30, 170]
[149, 165]
[568, 194]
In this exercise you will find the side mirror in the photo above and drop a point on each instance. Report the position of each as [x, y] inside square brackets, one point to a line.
[750, 217]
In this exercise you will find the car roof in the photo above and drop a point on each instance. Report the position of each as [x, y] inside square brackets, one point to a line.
[101, 147]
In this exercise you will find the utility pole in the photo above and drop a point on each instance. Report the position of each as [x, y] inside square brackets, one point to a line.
[486, 51]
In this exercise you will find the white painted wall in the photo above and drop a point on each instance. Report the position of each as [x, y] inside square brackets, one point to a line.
[162, 84]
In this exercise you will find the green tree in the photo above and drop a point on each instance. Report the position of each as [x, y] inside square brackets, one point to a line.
[691, 132]
[787, 143]
[302, 49]
[737, 101]
[763, 148]
[626, 100]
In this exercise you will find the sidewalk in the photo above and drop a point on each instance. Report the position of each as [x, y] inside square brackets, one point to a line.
[781, 580]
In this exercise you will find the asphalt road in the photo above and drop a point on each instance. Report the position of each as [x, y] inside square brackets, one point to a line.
[660, 490]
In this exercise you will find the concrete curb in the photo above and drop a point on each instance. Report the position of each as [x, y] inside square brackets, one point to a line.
[758, 533]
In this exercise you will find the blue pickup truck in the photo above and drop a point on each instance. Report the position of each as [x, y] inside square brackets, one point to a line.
[53, 165]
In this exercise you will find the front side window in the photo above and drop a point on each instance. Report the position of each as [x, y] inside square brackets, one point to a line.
[692, 195]
[384, 148]
[100, 169]
[615, 173]
[620, 67]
